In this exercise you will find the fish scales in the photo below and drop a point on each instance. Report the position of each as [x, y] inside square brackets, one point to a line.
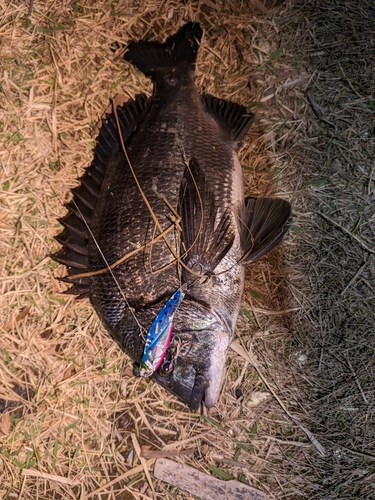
[182, 148]
[161, 162]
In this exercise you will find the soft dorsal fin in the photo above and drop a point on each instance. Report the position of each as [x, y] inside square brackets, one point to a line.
[74, 239]
[231, 115]
[263, 223]
[205, 244]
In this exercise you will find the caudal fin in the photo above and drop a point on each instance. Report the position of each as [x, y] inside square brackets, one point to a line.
[157, 59]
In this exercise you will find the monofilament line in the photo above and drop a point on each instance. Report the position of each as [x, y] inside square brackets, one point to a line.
[109, 268]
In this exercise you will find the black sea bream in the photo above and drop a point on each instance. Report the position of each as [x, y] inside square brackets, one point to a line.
[163, 206]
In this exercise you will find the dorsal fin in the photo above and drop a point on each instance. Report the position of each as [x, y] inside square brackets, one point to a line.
[205, 243]
[234, 117]
[74, 239]
[263, 224]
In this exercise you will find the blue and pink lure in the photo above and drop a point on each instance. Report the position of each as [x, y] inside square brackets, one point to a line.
[159, 336]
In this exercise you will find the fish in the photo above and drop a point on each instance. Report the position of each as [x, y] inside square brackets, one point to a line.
[162, 209]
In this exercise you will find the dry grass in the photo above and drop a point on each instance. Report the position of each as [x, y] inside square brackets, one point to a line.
[73, 419]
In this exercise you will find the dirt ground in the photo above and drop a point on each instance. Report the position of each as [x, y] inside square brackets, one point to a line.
[295, 418]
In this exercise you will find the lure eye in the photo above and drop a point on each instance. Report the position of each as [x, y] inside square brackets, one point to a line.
[166, 368]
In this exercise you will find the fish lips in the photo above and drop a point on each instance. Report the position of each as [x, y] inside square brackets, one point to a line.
[186, 384]
[199, 389]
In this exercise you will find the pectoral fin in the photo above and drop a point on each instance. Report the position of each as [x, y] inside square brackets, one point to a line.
[203, 244]
[263, 223]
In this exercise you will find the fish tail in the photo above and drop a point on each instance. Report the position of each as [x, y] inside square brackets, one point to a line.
[157, 60]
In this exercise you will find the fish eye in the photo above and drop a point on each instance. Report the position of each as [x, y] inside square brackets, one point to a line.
[166, 368]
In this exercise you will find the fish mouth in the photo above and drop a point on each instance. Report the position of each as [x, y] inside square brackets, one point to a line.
[200, 386]
[186, 384]
[194, 366]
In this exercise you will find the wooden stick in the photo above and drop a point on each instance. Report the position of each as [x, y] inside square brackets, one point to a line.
[204, 485]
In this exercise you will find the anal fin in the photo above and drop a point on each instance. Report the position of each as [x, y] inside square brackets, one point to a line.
[263, 223]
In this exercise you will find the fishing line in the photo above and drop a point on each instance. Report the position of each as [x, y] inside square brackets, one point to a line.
[179, 260]
[246, 254]
[163, 233]
[123, 258]
[109, 269]
[155, 219]
[175, 224]
[186, 161]
[89, 274]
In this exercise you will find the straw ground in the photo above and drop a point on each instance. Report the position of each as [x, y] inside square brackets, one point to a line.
[295, 415]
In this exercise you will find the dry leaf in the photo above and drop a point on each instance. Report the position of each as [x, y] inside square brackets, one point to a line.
[204, 449]
[8, 324]
[69, 372]
[5, 423]
[260, 6]
[129, 371]
[22, 315]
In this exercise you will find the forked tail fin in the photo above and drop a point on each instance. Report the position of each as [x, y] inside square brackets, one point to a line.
[156, 59]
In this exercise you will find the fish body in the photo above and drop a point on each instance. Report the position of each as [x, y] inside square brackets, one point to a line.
[166, 171]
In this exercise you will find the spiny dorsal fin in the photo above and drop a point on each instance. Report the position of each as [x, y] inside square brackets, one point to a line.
[74, 239]
[206, 244]
[231, 115]
[263, 224]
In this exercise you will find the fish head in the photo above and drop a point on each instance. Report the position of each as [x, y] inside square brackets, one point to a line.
[194, 363]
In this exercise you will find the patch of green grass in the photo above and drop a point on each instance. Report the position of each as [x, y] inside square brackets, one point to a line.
[60, 300]
[255, 294]
[249, 316]
[219, 472]
[212, 421]
[14, 137]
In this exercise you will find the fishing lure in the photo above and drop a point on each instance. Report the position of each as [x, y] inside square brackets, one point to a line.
[159, 335]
